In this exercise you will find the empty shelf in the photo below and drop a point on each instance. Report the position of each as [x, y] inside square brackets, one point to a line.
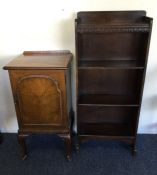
[107, 100]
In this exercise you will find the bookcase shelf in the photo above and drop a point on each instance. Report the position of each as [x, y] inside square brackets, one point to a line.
[107, 129]
[112, 51]
[111, 64]
[107, 100]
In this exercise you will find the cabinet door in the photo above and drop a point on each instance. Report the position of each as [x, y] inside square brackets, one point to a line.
[40, 99]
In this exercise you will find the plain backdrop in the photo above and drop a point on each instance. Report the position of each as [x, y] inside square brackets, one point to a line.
[49, 25]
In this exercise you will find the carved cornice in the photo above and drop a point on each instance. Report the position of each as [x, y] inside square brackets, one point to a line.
[113, 28]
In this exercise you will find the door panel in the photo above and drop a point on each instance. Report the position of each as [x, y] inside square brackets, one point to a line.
[40, 100]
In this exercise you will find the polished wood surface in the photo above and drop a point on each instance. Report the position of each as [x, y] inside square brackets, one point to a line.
[41, 60]
[41, 96]
[112, 50]
[107, 17]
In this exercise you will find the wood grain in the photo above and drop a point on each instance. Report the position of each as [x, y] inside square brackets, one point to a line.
[40, 81]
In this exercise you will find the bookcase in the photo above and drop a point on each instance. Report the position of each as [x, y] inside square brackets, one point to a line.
[111, 50]
[1, 138]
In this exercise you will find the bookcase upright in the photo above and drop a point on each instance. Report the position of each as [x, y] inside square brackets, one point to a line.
[112, 50]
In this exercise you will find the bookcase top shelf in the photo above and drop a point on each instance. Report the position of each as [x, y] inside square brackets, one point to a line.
[117, 21]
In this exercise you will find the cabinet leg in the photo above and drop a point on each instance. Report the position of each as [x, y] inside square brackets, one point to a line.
[68, 147]
[22, 142]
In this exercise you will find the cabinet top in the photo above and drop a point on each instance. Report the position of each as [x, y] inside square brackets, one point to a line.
[41, 60]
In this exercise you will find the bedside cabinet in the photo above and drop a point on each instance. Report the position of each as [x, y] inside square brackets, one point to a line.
[40, 82]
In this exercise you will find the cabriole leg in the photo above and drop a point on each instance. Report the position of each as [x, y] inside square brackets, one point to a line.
[68, 147]
[22, 142]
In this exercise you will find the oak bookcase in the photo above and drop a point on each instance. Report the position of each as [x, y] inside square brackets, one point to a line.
[112, 51]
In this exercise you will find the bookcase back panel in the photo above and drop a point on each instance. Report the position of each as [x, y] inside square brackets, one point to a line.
[106, 129]
[107, 114]
[109, 81]
[111, 46]
[100, 17]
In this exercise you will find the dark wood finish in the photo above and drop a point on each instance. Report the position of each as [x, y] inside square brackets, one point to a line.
[22, 142]
[112, 50]
[1, 138]
[41, 89]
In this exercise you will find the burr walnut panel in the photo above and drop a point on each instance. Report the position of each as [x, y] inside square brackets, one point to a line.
[40, 100]
[40, 97]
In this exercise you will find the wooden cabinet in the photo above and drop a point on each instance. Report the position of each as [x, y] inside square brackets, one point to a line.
[41, 89]
[111, 50]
